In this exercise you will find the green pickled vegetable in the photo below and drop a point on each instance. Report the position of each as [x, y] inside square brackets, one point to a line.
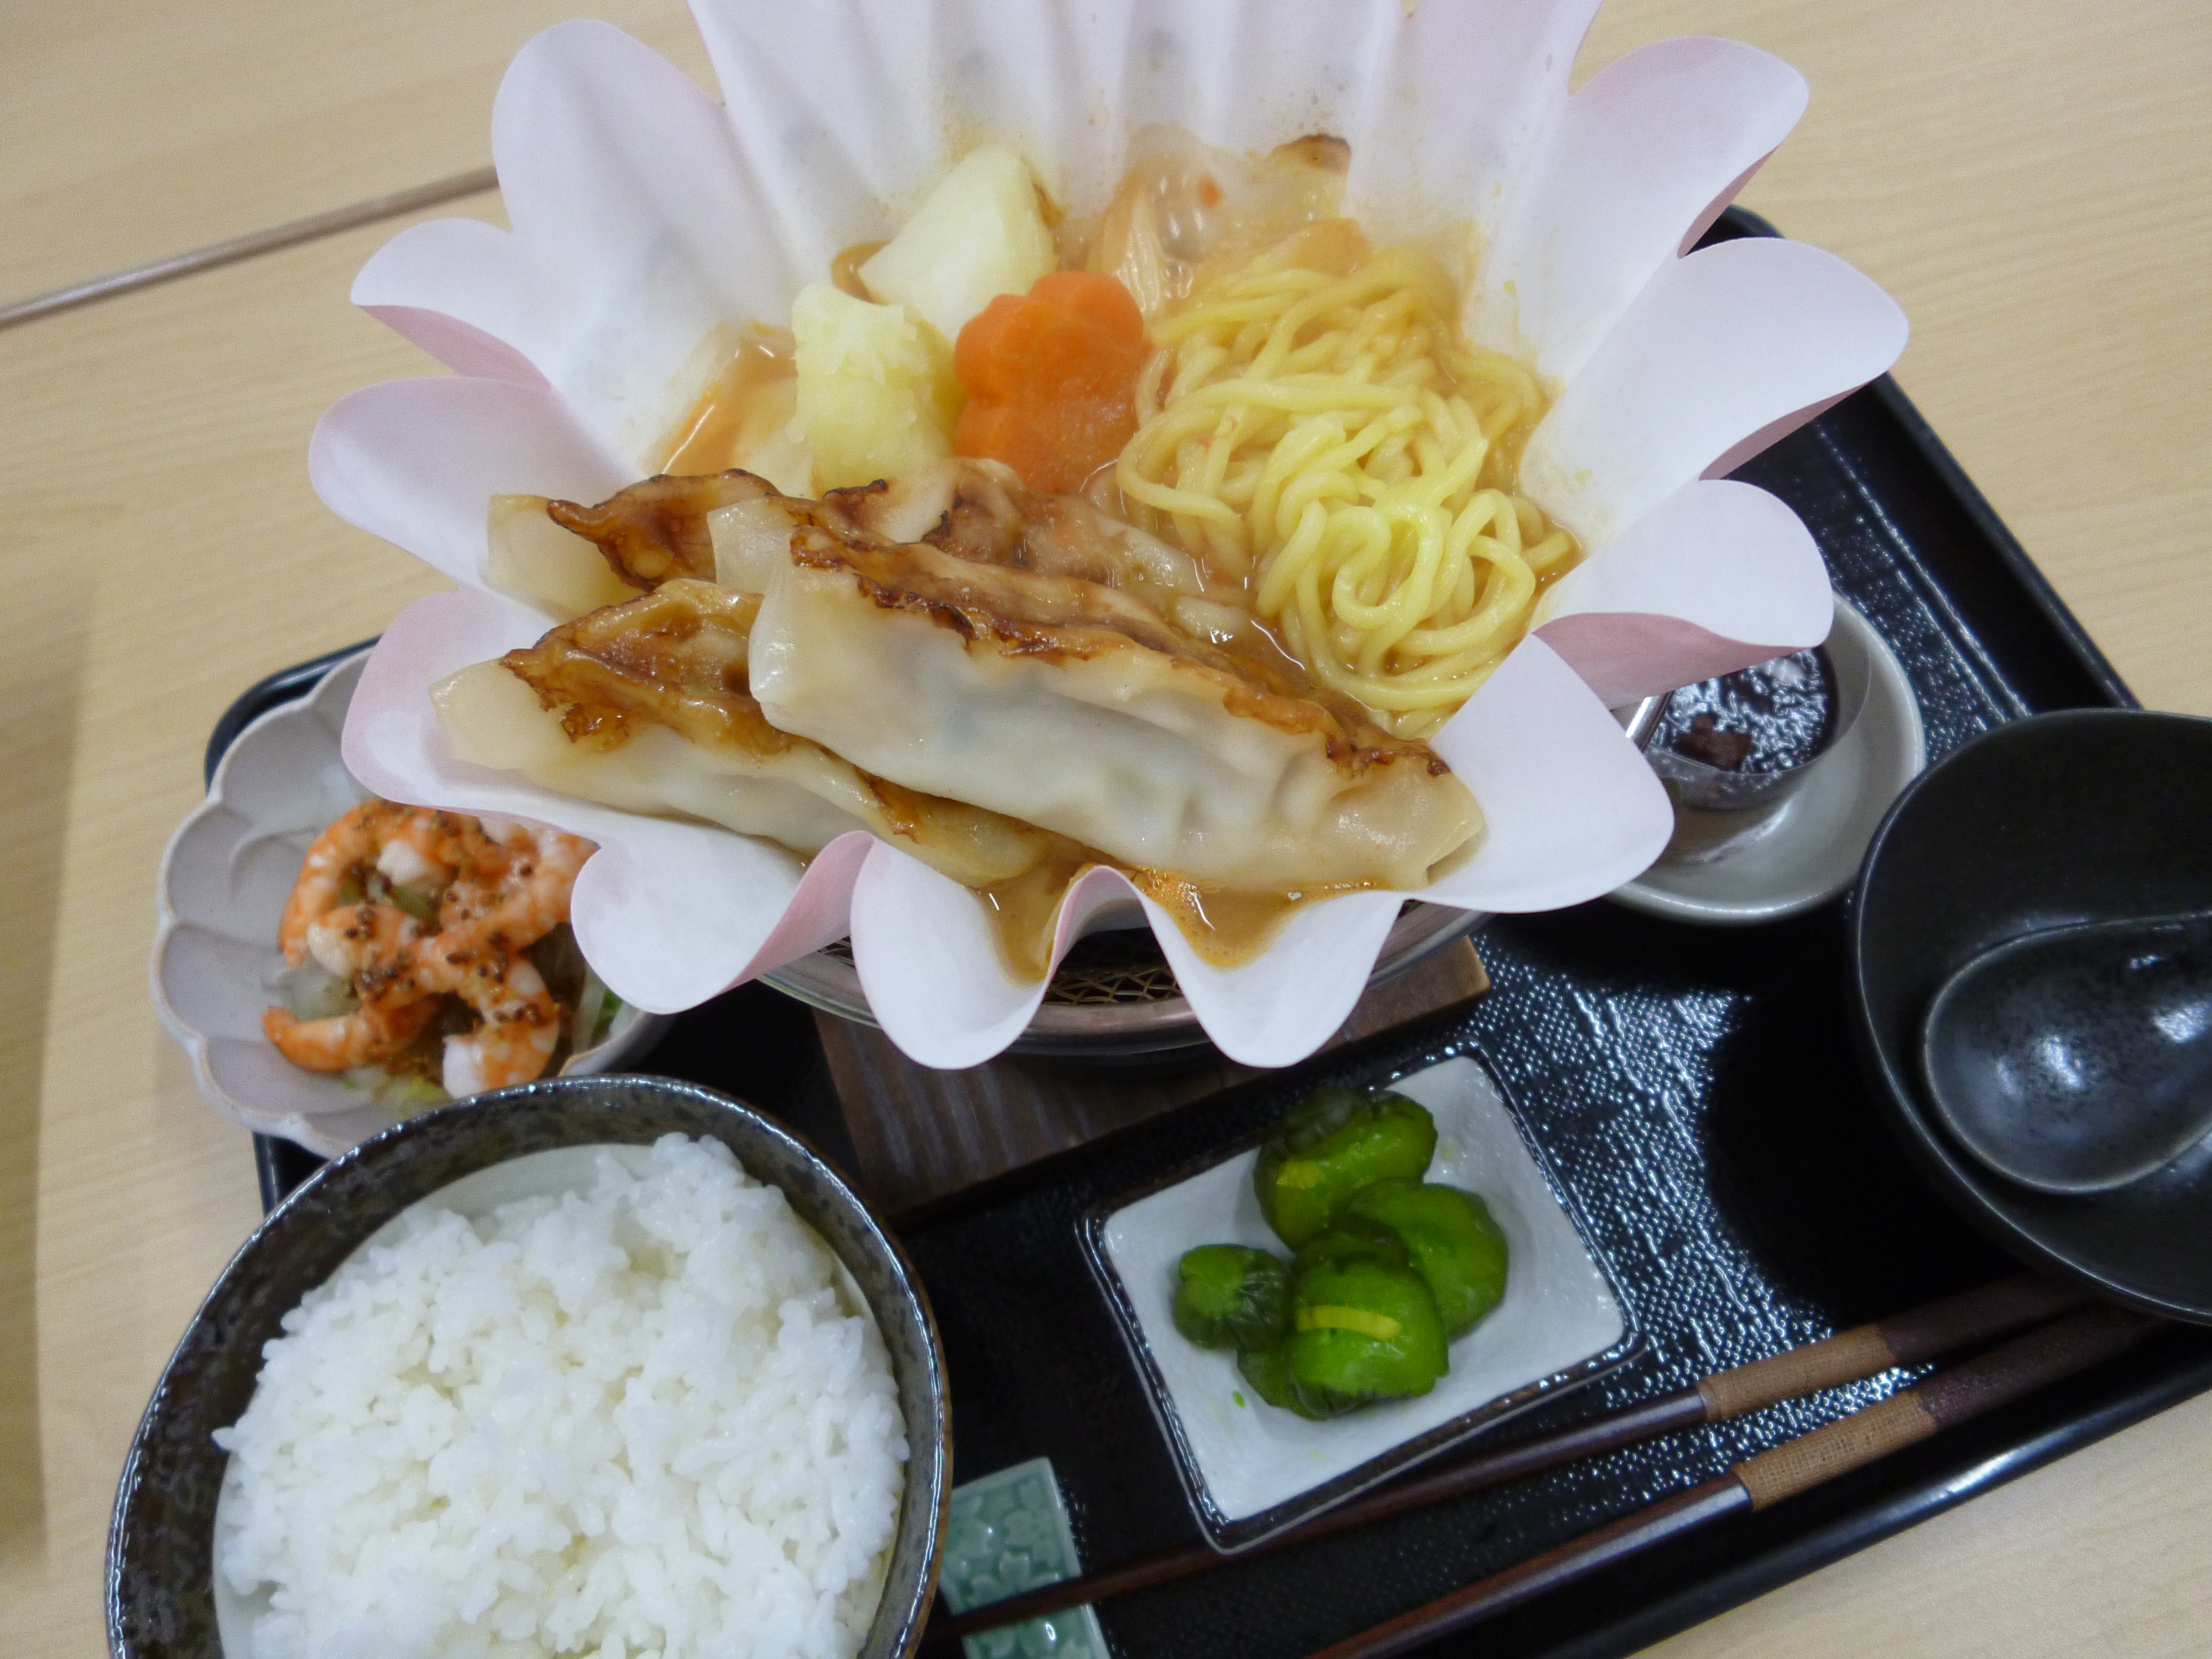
[1454, 1242]
[1354, 1238]
[1362, 1329]
[1268, 1371]
[412, 1092]
[1230, 1297]
[1326, 1150]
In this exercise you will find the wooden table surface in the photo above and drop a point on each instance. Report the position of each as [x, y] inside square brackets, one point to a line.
[2031, 180]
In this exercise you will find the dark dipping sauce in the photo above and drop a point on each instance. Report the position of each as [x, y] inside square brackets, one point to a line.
[1766, 719]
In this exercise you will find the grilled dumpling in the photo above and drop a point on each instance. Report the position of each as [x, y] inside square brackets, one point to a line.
[645, 706]
[1073, 705]
[656, 529]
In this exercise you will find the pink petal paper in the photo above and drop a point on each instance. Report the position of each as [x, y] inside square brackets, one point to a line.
[1279, 1008]
[650, 222]
[417, 462]
[1716, 577]
[1569, 809]
[640, 228]
[925, 954]
[1640, 162]
[1440, 100]
[1743, 340]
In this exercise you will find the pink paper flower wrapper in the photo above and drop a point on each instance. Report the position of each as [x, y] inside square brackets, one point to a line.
[647, 217]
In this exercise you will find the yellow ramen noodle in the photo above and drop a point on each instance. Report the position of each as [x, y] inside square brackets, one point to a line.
[1326, 437]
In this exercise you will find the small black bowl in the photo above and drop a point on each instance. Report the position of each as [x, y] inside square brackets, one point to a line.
[2089, 815]
[161, 1549]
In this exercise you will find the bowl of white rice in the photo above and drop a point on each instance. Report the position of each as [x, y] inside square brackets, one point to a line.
[595, 1366]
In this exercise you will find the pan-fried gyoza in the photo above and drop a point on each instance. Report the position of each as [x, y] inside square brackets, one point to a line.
[1073, 705]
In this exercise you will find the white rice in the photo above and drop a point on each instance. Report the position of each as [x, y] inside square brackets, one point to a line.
[646, 1421]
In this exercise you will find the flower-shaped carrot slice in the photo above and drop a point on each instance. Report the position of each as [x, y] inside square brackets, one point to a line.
[1051, 376]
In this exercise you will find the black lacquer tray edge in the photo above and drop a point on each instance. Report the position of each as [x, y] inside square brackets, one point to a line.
[2018, 567]
[1858, 1512]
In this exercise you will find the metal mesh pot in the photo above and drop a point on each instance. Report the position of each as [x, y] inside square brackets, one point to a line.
[1114, 993]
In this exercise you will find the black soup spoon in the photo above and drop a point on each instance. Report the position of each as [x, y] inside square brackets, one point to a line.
[2078, 1058]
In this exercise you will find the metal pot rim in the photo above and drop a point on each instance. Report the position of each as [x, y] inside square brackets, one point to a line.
[830, 983]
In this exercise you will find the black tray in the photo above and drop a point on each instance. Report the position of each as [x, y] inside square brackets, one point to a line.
[1696, 1088]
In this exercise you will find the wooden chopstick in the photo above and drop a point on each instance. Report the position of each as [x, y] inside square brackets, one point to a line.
[1949, 1397]
[245, 247]
[1907, 1339]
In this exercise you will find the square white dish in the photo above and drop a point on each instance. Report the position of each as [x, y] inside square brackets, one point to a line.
[1251, 1470]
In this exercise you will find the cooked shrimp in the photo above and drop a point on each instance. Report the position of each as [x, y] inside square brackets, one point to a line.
[519, 1022]
[355, 940]
[500, 886]
[369, 944]
[518, 905]
[409, 845]
[486, 919]
[423, 850]
[387, 1022]
[366, 943]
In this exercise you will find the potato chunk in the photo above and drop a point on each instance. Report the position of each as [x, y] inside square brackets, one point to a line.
[981, 233]
[876, 394]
